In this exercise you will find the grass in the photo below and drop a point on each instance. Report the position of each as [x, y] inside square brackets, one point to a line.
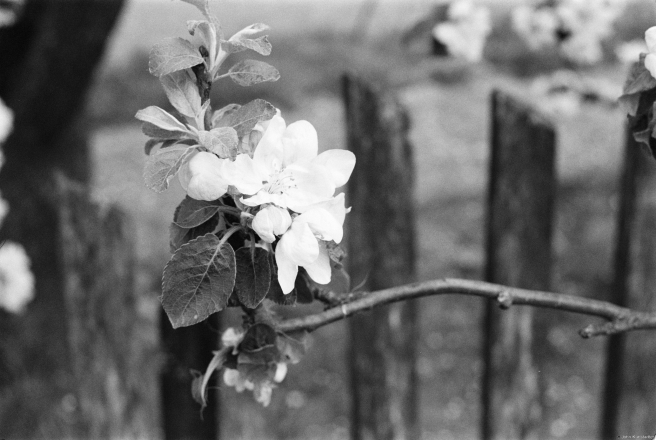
[312, 47]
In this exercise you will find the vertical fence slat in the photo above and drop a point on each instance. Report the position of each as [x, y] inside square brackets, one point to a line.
[520, 212]
[381, 242]
[629, 395]
[111, 352]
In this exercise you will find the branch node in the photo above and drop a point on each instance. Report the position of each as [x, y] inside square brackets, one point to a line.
[344, 311]
[505, 300]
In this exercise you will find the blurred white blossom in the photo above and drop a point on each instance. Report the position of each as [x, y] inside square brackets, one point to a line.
[16, 279]
[466, 30]
[650, 59]
[576, 27]
[9, 10]
[6, 121]
[629, 51]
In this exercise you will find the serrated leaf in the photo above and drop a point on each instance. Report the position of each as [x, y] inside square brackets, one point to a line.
[191, 213]
[639, 78]
[171, 55]
[163, 165]
[219, 114]
[198, 280]
[276, 294]
[152, 143]
[222, 141]
[199, 384]
[250, 72]
[257, 338]
[159, 118]
[244, 118]
[253, 275]
[180, 88]
[260, 45]
[179, 235]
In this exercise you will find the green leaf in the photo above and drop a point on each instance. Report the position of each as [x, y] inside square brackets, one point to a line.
[180, 88]
[199, 384]
[156, 118]
[249, 72]
[152, 143]
[260, 45]
[257, 338]
[639, 78]
[253, 275]
[191, 213]
[244, 118]
[204, 7]
[335, 252]
[180, 235]
[171, 55]
[221, 113]
[198, 280]
[222, 141]
[206, 32]
[276, 294]
[163, 165]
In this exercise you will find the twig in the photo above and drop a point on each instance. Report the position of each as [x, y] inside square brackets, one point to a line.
[620, 319]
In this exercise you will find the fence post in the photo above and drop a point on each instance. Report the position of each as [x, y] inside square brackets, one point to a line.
[629, 395]
[110, 346]
[381, 240]
[518, 253]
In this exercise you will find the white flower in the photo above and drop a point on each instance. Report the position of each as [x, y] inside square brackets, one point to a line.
[304, 243]
[285, 169]
[16, 279]
[465, 32]
[232, 338]
[537, 26]
[629, 51]
[6, 121]
[271, 221]
[202, 176]
[233, 378]
[650, 59]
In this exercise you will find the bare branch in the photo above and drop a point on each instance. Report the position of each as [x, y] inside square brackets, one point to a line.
[620, 319]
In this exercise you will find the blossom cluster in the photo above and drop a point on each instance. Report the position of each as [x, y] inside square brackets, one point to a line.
[576, 27]
[285, 189]
[465, 31]
[16, 278]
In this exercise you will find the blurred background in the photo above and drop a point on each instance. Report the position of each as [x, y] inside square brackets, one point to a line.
[447, 101]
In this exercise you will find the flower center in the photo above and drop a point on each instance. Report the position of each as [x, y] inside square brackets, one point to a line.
[280, 183]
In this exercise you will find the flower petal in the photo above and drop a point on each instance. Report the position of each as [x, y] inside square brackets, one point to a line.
[206, 182]
[650, 39]
[268, 154]
[287, 269]
[243, 174]
[258, 199]
[650, 64]
[271, 220]
[312, 184]
[323, 224]
[281, 372]
[320, 270]
[340, 164]
[300, 142]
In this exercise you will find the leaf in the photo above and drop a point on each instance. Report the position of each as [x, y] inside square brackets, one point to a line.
[204, 7]
[253, 275]
[156, 118]
[250, 72]
[258, 367]
[302, 285]
[223, 112]
[171, 55]
[152, 143]
[244, 118]
[257, 338]
[180, 88]
[206, 33]
[276, 294]
[198, 280]
[191, 213]
[335, 252]
[199, 384]
[639, 78]
[179, 235]
[260, 45]
[163, 165]
[222, 141]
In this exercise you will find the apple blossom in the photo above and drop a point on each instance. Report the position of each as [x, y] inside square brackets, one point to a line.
[650, 59]
[202, 177]
[466, 30]
[16, 279]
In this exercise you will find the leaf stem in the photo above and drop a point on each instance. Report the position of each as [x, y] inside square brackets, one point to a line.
[228, 234]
